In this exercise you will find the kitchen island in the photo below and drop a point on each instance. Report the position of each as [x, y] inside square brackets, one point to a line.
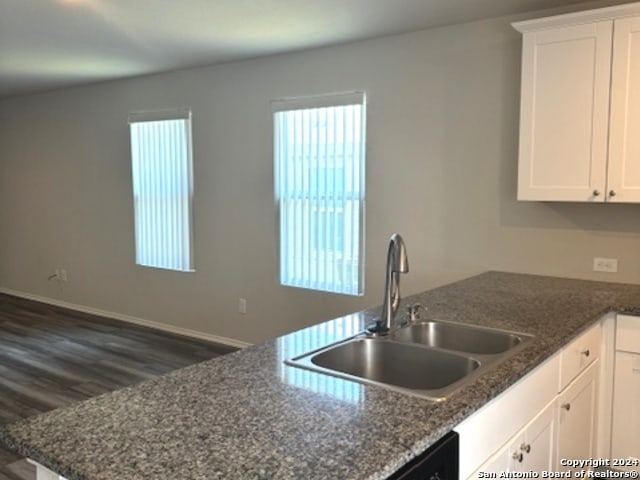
[247, 415]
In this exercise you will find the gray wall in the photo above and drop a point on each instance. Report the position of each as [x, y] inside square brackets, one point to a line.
[441, 169]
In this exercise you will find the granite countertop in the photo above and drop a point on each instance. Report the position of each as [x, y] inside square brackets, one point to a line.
[246, 415]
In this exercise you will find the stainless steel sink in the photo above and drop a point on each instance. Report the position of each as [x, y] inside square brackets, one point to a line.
[429, 359]
[405, 366]
[458, 337]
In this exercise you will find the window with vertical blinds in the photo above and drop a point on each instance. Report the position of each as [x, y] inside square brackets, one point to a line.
[319, 150]
[162, 171]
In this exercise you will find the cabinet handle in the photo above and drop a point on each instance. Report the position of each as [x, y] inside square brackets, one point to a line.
[586, 352]
[517, 456]
[566, 406]
[612, 193]
[525, 447]
[596, 193]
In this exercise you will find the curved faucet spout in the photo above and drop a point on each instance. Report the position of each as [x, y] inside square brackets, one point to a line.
[397, 263]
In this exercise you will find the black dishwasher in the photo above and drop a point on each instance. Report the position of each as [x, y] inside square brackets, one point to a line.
[439, 462]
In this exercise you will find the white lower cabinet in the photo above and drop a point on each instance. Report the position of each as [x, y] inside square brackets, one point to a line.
[549, 415]
[625, 441]
[625, 430]
[576, 409]
[530, 449]
[510, 420]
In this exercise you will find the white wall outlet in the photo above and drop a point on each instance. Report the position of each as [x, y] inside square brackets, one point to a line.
[609, 265]
[59, 274]
[242, 305]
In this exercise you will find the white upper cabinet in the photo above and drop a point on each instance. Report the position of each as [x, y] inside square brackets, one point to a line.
[578, 111]
[624, 135]
[563, 117]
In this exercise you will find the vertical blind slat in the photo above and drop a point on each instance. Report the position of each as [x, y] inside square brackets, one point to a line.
[348, 152]
[315, 193]
[308, 208]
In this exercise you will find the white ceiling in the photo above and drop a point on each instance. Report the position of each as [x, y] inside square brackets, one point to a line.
[46, 44]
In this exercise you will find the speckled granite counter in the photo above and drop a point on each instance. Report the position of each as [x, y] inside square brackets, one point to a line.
[248, 416]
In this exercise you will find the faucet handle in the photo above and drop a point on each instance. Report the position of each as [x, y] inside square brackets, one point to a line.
[413, 311]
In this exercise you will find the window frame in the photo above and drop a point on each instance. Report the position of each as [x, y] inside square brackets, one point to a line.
[355, 98]
[186, 147]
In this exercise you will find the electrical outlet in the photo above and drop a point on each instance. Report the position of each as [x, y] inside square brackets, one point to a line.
[60, 275]
[242, 305]
[609, 265]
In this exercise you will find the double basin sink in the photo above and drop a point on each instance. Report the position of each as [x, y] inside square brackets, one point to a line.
[429, 359]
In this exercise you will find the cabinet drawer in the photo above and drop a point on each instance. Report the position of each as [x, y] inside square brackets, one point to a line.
[578, 355]
[628, 333]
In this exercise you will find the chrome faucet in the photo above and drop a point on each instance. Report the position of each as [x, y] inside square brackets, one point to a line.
[397, 263]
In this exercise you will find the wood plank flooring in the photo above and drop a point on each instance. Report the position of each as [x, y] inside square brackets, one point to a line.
[51, 357]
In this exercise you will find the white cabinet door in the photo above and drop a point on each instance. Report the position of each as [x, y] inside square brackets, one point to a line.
[537, 447]
[529, 449]
[625, 429]
[624, 146]
[625, 438]
[576, 417]
[498, 463]
[564, 113]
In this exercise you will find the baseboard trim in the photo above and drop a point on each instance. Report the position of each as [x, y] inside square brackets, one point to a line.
[186, 332]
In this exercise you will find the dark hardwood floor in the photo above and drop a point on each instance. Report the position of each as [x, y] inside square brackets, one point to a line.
[51, 357]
